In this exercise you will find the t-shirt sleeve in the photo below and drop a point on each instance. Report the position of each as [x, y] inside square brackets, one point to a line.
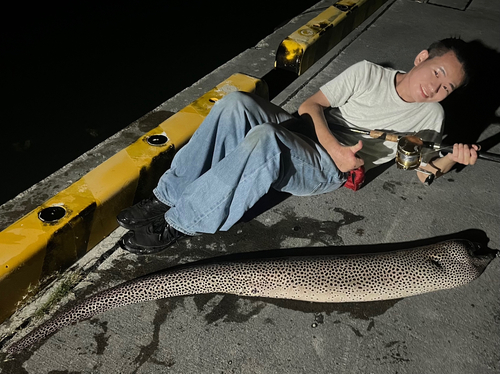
[340, 89]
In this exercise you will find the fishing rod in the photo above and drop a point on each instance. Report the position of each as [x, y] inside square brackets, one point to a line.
[410, 146]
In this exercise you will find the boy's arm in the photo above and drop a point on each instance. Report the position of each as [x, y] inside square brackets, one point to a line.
[312, 110]
[462, 154]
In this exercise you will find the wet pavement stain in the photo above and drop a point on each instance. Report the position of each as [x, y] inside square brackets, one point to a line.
[354, 330]
[256, 236]
[100, 338]
[397, 352]
[371, 325]
[319, 319]
[164, 308]
[391, 186]
[230, 309]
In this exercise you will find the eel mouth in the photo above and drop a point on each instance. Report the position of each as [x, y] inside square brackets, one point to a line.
[482, 251]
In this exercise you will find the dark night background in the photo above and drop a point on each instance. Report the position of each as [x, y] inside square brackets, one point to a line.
[75, 73]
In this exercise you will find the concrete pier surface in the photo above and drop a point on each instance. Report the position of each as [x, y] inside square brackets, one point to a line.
[452, 331]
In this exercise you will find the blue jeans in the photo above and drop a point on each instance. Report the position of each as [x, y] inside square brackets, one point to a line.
[237, 154]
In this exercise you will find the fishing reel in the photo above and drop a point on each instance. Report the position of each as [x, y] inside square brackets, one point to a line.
[409, 155]
[409, 152]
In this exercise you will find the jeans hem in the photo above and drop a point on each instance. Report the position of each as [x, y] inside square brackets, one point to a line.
[175, 226]
[161, 199]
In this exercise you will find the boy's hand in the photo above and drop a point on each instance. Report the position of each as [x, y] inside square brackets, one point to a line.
[312, 111]
[345, 157]
[464, 154]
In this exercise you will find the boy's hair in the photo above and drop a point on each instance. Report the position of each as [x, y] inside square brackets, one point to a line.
[459, 48]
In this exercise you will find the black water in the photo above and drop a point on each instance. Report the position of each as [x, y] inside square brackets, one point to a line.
[74, 74]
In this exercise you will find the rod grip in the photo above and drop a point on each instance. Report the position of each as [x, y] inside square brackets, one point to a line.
[480, 154]
[377, 134]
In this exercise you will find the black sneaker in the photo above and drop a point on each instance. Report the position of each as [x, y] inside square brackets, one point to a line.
[142, 213]
[153, 238]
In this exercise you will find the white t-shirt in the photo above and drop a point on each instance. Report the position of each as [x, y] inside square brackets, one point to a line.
[364, 96]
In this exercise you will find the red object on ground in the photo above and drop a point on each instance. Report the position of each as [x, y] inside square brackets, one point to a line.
[355, 178]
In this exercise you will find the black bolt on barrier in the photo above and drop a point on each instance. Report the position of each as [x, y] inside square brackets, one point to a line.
[52, 214]
[157, 140]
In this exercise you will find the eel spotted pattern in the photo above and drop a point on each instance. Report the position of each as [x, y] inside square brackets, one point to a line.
[326, 278]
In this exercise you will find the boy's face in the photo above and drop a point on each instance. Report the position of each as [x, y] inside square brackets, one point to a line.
[432, 80]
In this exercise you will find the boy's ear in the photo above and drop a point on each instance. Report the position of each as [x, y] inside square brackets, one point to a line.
[422, 56]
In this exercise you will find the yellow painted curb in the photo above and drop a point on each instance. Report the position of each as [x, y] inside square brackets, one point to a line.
[38, 245]
[299, 51]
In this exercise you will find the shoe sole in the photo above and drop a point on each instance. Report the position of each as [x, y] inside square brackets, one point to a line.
[141, 250]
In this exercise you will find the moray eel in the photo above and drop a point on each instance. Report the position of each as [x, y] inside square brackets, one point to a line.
[327, 278]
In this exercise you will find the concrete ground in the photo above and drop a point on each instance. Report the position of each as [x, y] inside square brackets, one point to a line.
[452, 331]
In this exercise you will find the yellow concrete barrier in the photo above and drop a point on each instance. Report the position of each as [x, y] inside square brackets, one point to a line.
[299, 51]
[64, 228]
